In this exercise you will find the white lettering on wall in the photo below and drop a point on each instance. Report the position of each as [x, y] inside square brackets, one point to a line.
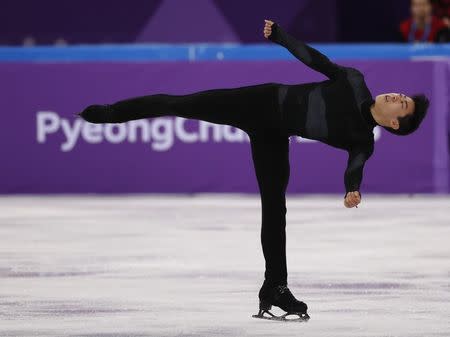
[160, 133]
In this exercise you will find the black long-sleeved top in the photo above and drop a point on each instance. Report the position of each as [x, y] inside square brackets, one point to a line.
[335, 111]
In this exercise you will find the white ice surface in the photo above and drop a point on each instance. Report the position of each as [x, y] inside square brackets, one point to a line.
[180, 265]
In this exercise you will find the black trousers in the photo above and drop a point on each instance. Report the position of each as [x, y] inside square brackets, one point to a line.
[255, 110]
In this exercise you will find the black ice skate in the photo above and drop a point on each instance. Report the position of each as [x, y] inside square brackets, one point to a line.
[281, 297]
[97, 113]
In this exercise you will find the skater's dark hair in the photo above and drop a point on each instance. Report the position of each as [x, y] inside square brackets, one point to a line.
[411, 122]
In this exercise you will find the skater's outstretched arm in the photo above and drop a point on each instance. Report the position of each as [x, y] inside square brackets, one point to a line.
[357, 157]
[308, 55]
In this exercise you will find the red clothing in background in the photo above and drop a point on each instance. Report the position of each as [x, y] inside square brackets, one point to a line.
[436, 25]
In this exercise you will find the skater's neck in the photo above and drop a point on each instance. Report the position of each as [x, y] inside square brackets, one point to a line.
[376, 114]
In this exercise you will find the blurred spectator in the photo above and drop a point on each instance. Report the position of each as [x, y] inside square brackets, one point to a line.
[423, 26]
[441, 8]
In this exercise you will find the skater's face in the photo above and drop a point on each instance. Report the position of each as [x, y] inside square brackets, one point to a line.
[392, 106]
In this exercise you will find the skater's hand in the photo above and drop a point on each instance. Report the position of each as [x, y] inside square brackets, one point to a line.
[352, 199]
[268, 28]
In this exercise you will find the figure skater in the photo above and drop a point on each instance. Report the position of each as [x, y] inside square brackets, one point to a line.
[339, 111]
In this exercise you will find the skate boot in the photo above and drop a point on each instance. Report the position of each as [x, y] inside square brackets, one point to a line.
[98, 113]
[281, 297]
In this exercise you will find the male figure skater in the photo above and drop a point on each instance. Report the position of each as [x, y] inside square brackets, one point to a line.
[339, 111]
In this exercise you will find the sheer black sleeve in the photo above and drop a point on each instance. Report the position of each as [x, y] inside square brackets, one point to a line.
[308, 55]
[357, 157]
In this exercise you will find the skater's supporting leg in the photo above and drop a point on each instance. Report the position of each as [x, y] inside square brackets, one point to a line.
[247, 107]
[270, 153]
[271, 161]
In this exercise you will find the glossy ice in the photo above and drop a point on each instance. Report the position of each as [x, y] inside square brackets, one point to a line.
[180, 265]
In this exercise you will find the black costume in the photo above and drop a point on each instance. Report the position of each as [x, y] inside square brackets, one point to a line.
[335, 111]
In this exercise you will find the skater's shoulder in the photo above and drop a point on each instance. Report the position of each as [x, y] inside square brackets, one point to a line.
[365, 144]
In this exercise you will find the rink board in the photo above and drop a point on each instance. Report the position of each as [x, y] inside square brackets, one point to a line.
[46, 150]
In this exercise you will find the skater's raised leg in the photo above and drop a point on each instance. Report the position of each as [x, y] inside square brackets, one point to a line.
[270, 152]
[247, 107]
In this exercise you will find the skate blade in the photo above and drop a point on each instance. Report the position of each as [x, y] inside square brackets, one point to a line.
[301, 317]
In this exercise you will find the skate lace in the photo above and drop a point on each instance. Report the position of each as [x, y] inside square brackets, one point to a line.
[282, 289]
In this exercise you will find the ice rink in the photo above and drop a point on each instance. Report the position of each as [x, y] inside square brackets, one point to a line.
[181, 265]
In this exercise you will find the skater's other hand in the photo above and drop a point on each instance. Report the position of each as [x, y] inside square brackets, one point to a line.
[352, 199]
[268, 28]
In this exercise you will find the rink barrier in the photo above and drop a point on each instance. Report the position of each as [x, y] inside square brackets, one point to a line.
[217, 51]
[46, 150]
